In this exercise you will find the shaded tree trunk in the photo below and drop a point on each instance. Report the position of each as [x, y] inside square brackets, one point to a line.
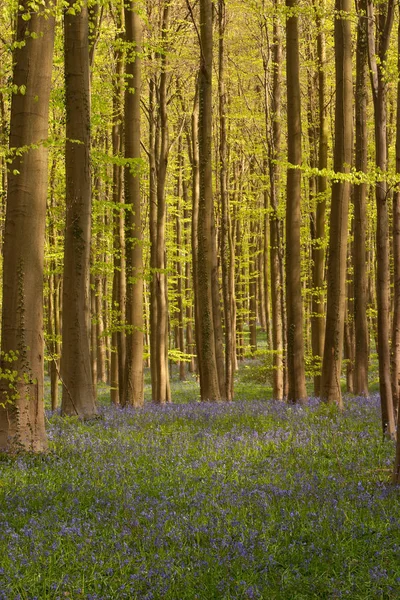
[294, 307]
[360, 208]
[396, 264]
[209, 383]
[133, 385]
[274, 149]
[118, 340]
[227, 257]
[383, 18]
[318, 252]
[78, 395]
[337, 259]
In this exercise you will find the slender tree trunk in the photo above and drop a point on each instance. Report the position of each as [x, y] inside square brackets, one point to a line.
[294, 308]
[194, 154]
[349, 337]
[133, 386]
[274, 149]
[54, 305]
[209, 383]
[161, 395]
[384, 22]
[93, 332]
[396, 264]
[253, 288]
[190, 344]
[360, 208]
[337, 263]
[226, 245]
[78, 395]
[318, 252]
[118, 341]
[179, 266]
[153, 240]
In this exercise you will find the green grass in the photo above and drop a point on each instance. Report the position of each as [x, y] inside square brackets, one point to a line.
[254, 499]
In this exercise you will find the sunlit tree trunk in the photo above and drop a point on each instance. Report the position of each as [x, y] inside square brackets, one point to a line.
[133, 386]
[337, 261]
[22, 425]
[78, 395]
[294, 308]
[161, 348]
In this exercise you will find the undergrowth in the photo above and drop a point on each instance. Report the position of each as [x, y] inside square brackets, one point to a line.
[254, 499]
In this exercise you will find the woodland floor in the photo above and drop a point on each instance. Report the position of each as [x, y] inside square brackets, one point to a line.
[255, 499]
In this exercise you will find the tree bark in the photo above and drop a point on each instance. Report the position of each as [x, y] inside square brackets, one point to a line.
[395, 358]
[360, 208]
[227, 257]
[383, 18]
[294, 307]
[337, 262]
[22, 425]
[161, 348]
[134, 384]
[209, 383]
[318, 252]
[78, 395]
[118, 341]
[274, 150]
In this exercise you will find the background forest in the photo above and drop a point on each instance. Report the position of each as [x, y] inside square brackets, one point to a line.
[209, 173]
[199, 200]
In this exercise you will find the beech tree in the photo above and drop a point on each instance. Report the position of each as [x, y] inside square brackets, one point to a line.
[318, 231]
[337, 262]
[274, 148]
[133, 386]
[295, 341]
[78, 395]
[380, 22]
[206, 350]
[22, 424]
[360, 206]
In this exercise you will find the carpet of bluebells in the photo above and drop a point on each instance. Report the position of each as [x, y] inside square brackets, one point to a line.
[204, 501]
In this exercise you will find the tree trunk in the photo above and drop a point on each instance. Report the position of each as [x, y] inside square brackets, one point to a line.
[384, 22]
[226, 234]
[179, 266]
[396, 263]
[133, 386]
[118, 341]
[337, 263]
[22, 425]
[161, 395]
[294, 308]
[78, 395]
[209, 383]
[274, 149]
[253, 287]
[360, 209]
[318, 252]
